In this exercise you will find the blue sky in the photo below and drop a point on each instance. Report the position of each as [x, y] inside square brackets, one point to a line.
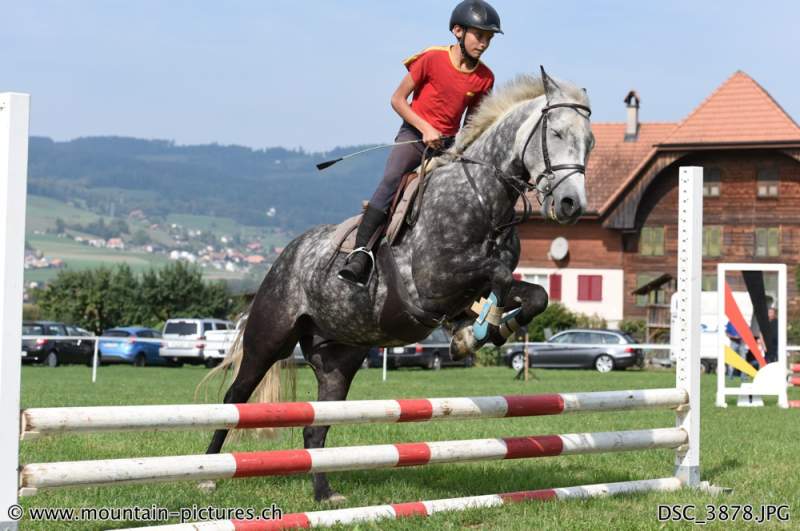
[319, 74]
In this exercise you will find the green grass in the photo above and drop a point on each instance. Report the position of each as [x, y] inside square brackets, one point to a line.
[754, 451]
[42, 212]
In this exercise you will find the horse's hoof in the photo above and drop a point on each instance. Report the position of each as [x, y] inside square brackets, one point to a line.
[335, 499]
[463, 344]
[207, 486]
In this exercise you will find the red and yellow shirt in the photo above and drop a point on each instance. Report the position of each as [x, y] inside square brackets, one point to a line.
[442, 92]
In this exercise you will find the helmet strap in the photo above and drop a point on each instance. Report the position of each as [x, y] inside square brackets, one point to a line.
[468, 59]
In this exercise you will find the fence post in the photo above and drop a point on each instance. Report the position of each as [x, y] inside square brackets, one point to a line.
[687, 370]
[13, 188]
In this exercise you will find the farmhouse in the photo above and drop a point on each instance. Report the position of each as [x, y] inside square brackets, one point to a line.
[749, 148]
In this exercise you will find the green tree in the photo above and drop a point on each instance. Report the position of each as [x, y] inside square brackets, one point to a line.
[178, 290]
[140, 237]
[556, 317]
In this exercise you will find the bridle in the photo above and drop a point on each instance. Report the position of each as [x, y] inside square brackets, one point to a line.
[519, 185]
[548, 175]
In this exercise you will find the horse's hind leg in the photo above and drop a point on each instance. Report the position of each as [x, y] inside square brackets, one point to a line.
[334, 365]
[267, 339]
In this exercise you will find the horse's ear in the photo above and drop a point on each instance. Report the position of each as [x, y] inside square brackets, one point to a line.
[551, 88]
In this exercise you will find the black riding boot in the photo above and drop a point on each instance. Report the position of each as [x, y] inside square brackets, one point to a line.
[358, 264]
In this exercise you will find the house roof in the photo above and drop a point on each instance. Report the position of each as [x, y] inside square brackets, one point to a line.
[613, 159]
[740, 111]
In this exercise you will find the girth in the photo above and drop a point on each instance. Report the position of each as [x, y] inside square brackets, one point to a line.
[400, 317]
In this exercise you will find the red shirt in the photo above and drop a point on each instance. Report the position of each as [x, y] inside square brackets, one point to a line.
[442, 92]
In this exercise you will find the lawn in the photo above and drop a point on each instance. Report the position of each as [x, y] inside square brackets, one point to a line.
[753, 451]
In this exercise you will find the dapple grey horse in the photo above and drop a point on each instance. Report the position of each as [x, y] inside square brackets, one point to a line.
[532, 136]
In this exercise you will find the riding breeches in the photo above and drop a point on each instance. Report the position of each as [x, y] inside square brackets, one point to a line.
[402, 159]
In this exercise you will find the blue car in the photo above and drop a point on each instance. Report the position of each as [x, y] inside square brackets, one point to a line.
[129, 349]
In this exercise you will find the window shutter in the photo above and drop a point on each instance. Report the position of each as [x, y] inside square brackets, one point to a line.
[658, 247]
[583, 287]
[596, 288]
[773, 242]
[555, 287]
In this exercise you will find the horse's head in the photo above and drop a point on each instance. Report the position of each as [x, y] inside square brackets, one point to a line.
[556, 150]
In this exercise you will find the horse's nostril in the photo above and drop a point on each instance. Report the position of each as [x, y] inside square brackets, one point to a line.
[568, 206]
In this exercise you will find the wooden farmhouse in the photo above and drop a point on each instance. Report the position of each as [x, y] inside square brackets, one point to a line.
[749, 148]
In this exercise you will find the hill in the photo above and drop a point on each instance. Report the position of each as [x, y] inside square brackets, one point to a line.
[272, 187]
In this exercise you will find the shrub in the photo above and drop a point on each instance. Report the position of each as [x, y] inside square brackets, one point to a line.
[488, 356]
[583, 320]
[635, 327]
[556, 317]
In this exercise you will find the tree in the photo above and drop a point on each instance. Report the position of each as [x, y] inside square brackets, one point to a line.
[140, 237]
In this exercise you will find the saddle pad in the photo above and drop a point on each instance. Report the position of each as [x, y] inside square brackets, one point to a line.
[344, 238]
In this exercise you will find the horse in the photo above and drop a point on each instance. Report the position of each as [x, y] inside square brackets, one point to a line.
[533, 135]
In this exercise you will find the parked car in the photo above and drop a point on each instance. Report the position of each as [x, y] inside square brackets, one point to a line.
[129, 347]
[608, 350]
[55, 352]
[432, 352]
[185, 340]
[219, 341]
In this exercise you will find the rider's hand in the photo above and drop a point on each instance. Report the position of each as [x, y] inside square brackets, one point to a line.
[432, 137]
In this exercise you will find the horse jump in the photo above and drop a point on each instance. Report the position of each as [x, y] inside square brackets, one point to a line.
[684, 437]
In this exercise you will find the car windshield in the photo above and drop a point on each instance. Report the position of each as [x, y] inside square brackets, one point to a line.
[181, 328]
[32, 330]
[116, 333]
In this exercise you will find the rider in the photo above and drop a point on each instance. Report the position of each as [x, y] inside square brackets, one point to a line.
[446, 81]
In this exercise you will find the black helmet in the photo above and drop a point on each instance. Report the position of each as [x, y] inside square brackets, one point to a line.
[475, 14]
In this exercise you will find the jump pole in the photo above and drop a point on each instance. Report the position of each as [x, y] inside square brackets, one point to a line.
[14, 113]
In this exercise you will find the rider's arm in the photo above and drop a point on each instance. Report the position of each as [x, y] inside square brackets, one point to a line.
[401, 106]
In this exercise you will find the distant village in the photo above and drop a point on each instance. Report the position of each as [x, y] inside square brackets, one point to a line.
[201, 247]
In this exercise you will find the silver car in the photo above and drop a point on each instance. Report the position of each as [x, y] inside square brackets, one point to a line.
[602, 350]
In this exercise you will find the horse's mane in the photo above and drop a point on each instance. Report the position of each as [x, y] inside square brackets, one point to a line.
[522, 88]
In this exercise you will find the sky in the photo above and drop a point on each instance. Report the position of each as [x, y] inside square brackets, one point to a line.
[319, 74]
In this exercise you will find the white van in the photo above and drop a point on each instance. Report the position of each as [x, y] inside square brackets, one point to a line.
[185, 339]
[709, 325]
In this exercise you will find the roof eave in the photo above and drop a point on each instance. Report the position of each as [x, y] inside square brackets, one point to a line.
[698, 146]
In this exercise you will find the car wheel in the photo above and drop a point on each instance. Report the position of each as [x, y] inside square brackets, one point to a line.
[518, 361]
[469, 361]
[365, 363]
[52, 359]
[707, 367]
[140, 360]
[212, 362]
[604, 363]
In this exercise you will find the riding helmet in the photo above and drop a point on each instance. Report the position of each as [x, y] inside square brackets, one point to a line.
[476, 14]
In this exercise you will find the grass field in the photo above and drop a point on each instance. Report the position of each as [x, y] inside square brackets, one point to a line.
[754, 451]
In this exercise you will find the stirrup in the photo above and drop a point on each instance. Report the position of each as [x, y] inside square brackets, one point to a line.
[370, 255]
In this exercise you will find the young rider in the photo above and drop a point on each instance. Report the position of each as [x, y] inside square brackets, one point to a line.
[446, 81]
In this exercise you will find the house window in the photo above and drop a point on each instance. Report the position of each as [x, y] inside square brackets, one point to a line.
[590, 288]
[768, 241]
[651, 241]
[767, 182]
[555, 287]
[709, 282]
[641, 280]
[712, 240]
[711, 182]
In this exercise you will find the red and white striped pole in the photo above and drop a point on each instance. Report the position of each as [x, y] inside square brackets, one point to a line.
[43, 421]
[422, 508]
[284, 462]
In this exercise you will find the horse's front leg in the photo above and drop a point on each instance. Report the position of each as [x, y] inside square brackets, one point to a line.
[531, 299]
[469, 332]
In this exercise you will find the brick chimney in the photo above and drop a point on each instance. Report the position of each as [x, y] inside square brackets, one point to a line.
[632, 123]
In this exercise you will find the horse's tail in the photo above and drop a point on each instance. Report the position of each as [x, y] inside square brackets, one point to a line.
[279, 382]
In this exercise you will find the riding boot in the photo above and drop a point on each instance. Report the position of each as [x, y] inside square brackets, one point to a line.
[358, 263]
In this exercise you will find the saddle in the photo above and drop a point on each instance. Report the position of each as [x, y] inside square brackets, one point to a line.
[344, 238]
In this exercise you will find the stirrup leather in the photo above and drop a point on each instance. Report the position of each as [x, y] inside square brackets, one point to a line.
[369, 254]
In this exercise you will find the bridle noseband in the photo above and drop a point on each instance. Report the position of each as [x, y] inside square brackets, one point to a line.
[548, 175]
